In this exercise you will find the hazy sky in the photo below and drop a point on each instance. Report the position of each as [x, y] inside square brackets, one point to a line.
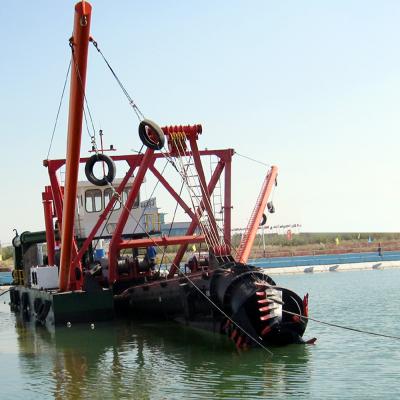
[311, 86]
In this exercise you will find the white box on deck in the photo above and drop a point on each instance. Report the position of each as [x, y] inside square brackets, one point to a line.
[44, 277]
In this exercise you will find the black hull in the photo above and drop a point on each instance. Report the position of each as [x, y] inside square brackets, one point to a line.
[49, 308]
[243, 303]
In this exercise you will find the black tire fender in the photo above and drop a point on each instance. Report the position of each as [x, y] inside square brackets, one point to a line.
[156, 140]
[264, 220]
[25, 305]
[90, 165]
[37, 304]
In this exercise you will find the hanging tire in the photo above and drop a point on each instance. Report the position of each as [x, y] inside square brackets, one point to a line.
[264, 220]
[110, 166]
[151, 135]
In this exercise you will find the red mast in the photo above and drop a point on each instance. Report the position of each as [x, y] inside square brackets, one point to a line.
[79, 44]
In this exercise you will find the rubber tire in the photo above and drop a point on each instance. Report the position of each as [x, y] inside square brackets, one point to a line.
[264, 220]
[89, 170]
[25, 305]
[146, 140]
[271, 207]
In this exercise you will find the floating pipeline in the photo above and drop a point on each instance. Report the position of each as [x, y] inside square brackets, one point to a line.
[326, 259]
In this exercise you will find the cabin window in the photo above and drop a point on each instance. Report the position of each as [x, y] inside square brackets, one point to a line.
[108, 194]
[125, 197]
[93, 200]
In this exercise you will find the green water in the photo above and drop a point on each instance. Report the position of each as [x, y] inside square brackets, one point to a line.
[167, 361]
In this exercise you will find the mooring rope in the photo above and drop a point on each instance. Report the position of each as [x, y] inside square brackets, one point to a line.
[6, 291]
[343, 326]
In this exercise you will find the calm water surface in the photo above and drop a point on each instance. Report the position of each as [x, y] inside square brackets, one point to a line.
[167, 361]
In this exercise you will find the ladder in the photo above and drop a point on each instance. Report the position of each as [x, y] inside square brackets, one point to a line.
[191, 178]
[249, 234]
[217, 201]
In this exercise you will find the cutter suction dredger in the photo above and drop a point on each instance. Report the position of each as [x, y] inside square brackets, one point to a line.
[234, 299]
[214, 287]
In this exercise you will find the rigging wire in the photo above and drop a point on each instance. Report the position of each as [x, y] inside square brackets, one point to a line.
[138, 113]
[151, 195]
[213, 236]
[105, 225]
[170, 228]
[343, 326]
[86, 103]
[59, 109]
[252, 159]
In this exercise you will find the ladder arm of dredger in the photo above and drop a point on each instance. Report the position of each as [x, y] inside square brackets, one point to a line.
[251, 230]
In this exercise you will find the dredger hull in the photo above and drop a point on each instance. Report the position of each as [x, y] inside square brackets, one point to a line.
[243, 303]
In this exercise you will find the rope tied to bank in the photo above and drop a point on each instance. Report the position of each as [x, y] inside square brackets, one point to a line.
[348, 328]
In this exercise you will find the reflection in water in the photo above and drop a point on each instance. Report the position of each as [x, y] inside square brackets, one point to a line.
[128, 360]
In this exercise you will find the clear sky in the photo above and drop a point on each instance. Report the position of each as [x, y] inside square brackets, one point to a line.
[311, 86]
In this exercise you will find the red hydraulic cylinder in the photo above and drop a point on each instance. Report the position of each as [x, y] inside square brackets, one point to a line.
[48, 219]
[80, 44]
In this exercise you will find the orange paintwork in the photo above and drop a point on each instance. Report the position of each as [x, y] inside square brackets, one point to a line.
[251, 230]
[80, 43]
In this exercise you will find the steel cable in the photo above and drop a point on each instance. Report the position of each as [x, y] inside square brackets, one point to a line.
[59, 109]
[343, 326]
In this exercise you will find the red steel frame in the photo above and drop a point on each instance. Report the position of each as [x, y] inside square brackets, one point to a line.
[64, 200]
[48, 219]
[139, 164]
